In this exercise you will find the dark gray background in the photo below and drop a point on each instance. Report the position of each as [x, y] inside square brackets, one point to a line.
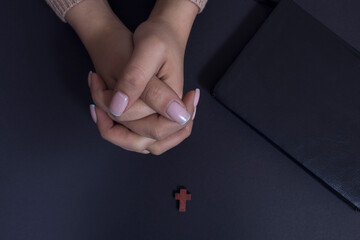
[60, 180]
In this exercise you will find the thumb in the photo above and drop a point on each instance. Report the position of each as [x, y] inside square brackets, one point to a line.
[144, 63]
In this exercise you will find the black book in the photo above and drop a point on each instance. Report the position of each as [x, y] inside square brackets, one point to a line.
[298, 84]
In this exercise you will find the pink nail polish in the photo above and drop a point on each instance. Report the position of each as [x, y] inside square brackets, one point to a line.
[197, 97]
[89, 78]
[178, 113]
[118, 103]
[92, 112]
[196, 101]
[193, 117]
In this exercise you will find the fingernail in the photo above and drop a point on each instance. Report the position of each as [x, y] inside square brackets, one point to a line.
[89, 78]
[146, 151]
[118, 103]
[178, 113]
[193, 117]
[196, 101]
[92, 112]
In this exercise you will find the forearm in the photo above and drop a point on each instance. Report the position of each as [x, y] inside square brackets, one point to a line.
[91, 18]
[178, 14]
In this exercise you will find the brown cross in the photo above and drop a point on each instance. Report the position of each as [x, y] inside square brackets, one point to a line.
[182, 197]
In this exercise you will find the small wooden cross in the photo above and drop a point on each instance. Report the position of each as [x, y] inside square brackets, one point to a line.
[182, 197]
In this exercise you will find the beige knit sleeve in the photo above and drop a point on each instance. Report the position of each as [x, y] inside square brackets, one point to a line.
[61, 7]
[200, 3]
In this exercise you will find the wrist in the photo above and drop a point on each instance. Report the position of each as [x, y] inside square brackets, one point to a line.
[91, 18]
[179, 15]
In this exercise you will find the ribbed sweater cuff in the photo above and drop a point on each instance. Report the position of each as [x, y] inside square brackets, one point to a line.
[61, 7]
[200, 3]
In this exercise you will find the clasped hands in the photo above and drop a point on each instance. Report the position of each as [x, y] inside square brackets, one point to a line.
[138, 85]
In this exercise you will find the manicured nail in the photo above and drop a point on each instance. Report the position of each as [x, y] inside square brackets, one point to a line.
[178, 113]
[193, 117]
[196, 101]
[89, 78]
[146, 151]
[92, 112]
[118, 103]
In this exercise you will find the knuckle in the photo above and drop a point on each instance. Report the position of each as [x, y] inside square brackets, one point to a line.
[137, 149]
[152, 93]
[157, 133]
[156, 42]
[139, 145]
[134, 77]
[156, 152]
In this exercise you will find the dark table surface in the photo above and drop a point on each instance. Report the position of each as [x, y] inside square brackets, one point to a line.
[60, 180]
